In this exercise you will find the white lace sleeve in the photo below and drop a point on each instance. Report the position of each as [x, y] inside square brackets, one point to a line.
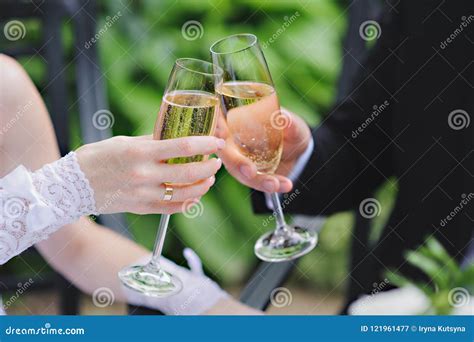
[35, 204]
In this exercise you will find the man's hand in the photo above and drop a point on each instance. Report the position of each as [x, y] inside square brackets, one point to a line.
[296, 137]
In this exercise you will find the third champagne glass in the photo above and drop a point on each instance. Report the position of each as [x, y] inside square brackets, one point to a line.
[189, 107]
[253, 117]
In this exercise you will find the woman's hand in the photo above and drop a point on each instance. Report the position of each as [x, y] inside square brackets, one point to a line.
[296, 137]
[127, 173]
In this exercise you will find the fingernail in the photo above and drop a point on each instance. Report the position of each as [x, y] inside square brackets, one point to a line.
[219, 161]
[269, 185]
[246, 171]
[212, 180]
[289, 185]
[220, 144]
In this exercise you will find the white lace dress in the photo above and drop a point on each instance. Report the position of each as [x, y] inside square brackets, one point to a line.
[33, 205]
[36, 204]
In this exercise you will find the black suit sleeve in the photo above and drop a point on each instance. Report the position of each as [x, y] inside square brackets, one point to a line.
[352, 153]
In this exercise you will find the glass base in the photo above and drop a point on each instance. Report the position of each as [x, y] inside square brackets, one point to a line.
[297, 242]
[150, 280]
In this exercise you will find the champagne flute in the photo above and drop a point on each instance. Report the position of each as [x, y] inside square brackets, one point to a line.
[253, 117]
[189, 107]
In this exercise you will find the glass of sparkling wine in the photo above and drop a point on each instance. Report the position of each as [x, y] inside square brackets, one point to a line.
[250, 105]
[189, 107]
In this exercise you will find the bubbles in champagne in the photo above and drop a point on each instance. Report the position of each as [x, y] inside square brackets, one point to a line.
[186, 113]
[249, 108]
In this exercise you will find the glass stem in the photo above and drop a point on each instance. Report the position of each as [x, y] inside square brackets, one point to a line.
[160, 239]
[282, 227]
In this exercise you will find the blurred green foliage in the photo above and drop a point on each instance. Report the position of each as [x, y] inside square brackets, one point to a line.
[137, 53]
[449, 284]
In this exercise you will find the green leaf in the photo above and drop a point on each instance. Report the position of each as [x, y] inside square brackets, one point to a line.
[439, 253]
[430, 267]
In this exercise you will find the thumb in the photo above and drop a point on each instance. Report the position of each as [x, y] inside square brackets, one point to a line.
[194, 262]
